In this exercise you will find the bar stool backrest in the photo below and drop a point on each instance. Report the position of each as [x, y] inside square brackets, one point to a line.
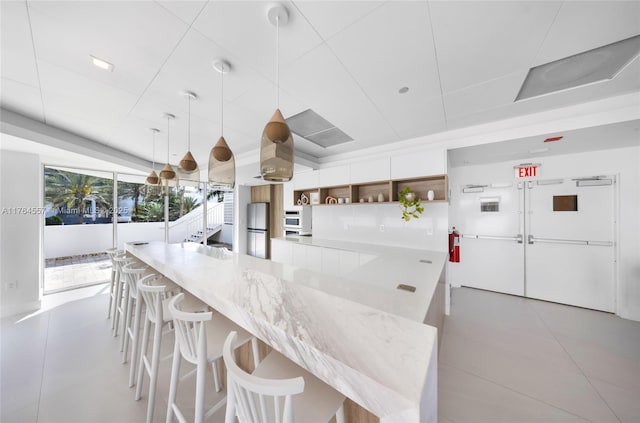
[255, 399]
[190, 331]
[152, 296]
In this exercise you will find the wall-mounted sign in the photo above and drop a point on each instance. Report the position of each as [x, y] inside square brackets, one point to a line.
[526, 171]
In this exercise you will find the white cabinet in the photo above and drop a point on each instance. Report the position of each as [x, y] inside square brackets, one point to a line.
[287, 196]
[431, 162]
[305, 180]
[299, 256]
[333, 176]
[348, 261]
[330, 261]
[314, 258]
[281, 251]
[370, 171]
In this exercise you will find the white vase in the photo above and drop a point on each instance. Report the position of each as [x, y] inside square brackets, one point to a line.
[430, 195]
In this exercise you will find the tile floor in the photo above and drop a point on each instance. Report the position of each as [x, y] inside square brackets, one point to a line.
[502, 359]
[64, 273]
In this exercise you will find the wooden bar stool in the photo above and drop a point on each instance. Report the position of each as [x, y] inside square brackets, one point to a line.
[155, 292]
[277, 391]
[199, 340]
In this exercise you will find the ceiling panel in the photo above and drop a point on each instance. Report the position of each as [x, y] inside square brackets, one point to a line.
[627, 81]
[86, 102]
[135, 36]
[499, 92]
[187, 11]
[584, 25]
[396, 56]
[329, 18]
[18, 62]
[353, 112]
[243, 27]
[21, 98]
[479, 41]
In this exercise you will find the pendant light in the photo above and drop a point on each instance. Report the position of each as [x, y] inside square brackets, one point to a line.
[188, 163]
[153, 178]
[222, 163]
[167, 173]
[276, 146]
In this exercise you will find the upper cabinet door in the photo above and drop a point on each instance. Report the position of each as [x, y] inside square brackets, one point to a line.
[422, 163]
[306, 180]
[370, 171]
[333, 176]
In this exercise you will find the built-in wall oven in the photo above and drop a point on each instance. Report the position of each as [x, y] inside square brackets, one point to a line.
[297, 222]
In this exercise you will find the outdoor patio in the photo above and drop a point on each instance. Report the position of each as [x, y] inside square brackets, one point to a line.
[64, 273]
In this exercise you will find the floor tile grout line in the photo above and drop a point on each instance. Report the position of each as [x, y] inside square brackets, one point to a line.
[575, 362]
[517, 392]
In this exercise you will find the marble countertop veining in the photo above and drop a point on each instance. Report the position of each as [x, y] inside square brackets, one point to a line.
[378, 359]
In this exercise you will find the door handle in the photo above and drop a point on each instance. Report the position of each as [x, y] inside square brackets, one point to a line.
[531, 239]
[517, 238]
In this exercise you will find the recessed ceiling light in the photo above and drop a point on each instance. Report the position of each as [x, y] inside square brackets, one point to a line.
[102, 64]
[552, 139]
[403, 90]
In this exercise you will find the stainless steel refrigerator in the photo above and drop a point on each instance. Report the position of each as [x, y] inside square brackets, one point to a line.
[258, 230]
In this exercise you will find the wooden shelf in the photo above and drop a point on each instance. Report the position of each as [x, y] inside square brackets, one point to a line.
[389, 190]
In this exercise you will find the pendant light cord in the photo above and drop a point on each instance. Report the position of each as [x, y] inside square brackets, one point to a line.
[168, 138]
[278, 61]
[189, 126]
[154, 150]
[222, 100]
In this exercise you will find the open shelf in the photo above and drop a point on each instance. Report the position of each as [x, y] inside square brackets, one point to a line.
[372, 190]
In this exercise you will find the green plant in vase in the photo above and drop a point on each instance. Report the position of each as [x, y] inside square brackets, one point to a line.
[409, 204]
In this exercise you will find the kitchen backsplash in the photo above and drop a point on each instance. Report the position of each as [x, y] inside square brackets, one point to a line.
[383, 224]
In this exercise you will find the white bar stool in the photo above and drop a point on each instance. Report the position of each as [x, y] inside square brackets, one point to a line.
[154, 291]
[118, 299]
[112, 252]
[199, 340]
[277, 391]
[131, 330]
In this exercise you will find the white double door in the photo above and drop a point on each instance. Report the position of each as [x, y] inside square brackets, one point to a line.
[547, 239]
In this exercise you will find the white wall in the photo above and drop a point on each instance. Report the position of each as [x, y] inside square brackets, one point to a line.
[383, 224]
[623, 162]
[70, 240]
[20, 247]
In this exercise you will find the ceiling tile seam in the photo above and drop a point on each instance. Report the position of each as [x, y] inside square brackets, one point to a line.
[435, 53]
[175, 15]
[20, 82]
[35, 59]
[373, 103]
[383, 3]
[546, 35]
[160, 68]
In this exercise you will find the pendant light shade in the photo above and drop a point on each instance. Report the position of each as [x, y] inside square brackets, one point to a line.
[276, 150]
[222, 163]
[188, 163]
[276, 146]
[153, 178]
[167, 173]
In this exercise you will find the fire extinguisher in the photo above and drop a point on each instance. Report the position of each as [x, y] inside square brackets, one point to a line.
[454, 245]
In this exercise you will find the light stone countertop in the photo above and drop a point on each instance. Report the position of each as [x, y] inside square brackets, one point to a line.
[382, 361]
[375, 283]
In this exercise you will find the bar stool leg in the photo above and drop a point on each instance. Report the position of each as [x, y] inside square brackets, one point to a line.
[134, 341]
[112, 288]
[117, 299]
[143, 353]
[173, 385]
[153, 374]
[125, 316]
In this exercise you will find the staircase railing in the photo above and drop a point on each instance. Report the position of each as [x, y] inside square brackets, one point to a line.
[191, 224]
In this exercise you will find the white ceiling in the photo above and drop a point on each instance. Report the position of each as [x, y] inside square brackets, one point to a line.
[463, 62]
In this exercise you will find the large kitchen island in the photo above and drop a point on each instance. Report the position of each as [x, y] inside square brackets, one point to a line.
[351, 331]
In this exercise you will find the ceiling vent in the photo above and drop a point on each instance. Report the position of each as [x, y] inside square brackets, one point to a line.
[313, 127]
[600, 64]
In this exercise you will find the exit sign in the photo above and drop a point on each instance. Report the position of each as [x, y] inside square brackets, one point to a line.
[529, 171]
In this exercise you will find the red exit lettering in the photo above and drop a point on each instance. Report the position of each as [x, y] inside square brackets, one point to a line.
[526, 172]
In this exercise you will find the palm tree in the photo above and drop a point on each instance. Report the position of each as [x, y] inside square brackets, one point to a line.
[71, 190]
[131, 190]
